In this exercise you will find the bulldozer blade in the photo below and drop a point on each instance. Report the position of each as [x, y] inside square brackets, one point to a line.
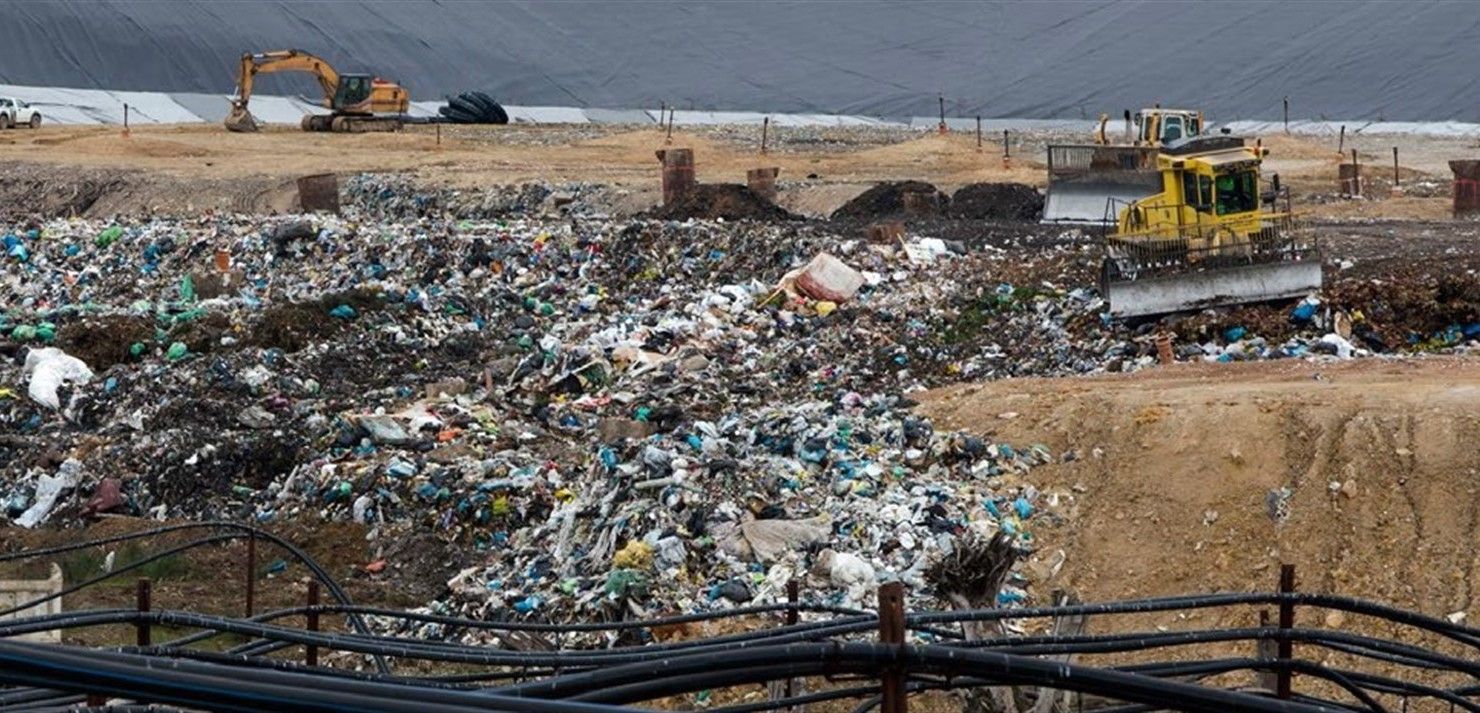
[1212, 288]
[1090, 202]
[1087, 185]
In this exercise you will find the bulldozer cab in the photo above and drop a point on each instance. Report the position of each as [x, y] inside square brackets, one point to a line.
[1206, 184]
[1157, 126]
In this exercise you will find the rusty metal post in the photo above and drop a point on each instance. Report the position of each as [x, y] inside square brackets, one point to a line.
[125, 120]
[793, 594]
[762, 182]
[1287, 114]
[251, 572]
[1350, 177]
[942, 114]
[1466, 186]
[439, 133]
[1287, 622]
[765, 131]
[1006, 149]
[1164, 353]
[678, 173]
[311, 656]
[1341, 143]
[891, 631]
[141, 603]
[978, 134]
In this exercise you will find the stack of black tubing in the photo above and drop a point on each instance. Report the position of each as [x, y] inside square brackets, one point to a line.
[473, 108]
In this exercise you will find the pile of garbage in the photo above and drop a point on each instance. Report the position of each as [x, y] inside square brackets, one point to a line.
[615, 416]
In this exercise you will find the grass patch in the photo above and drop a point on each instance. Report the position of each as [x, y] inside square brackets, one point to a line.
[83, 565]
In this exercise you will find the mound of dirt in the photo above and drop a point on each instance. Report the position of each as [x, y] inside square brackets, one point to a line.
[728, 201]
[101, 342]
[997, 201]
[888, 200]
[293, 326]
[1205, 478]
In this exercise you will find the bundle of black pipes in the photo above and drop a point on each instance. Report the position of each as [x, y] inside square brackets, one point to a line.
[611, 677]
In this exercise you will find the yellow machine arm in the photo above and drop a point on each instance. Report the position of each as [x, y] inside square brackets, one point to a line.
[285, 61]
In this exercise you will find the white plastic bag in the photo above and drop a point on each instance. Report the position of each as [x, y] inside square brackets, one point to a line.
[48, 368]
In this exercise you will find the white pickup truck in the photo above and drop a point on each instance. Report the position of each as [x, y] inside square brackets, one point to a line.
[14, 112]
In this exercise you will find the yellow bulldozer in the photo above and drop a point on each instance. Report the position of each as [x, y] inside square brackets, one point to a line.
[357, 102]
[1214, 233]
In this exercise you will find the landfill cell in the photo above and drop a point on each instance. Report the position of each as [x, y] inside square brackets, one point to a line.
[572, 407]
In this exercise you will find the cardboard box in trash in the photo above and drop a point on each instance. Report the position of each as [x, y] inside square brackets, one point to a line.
[19, 591]
[825, 278]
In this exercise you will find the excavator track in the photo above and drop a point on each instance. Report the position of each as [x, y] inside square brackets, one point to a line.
[350, 124]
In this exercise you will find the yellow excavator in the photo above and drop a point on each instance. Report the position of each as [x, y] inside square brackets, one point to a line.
[357, 102]
[1082, 177]
[1214, 234]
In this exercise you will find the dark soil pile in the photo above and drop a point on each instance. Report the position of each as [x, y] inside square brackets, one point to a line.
[886, 200]
[728, 201]
[103, 341]
[295, 325]
[997, 201]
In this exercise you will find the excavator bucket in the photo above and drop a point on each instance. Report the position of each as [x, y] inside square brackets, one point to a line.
[239, 119]
[1085, 181]
[1143, 277]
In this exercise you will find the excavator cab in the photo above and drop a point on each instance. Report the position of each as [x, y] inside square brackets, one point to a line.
[352, 93]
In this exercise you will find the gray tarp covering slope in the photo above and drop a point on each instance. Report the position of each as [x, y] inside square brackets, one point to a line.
[1350, 59]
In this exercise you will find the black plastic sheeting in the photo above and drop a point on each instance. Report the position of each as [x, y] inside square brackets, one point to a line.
[1357, 59]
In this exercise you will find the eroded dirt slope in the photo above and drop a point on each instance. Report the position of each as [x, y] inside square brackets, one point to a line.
[1205, 478]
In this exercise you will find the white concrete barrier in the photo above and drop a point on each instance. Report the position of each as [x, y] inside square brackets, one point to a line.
[19, 591]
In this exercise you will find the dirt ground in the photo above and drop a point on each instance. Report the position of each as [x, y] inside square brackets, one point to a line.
[162, 168]
[1174, 471]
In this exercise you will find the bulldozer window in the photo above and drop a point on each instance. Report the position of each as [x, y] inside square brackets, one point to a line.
[1197, 191]
[1171, 128]
[1237, 192]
